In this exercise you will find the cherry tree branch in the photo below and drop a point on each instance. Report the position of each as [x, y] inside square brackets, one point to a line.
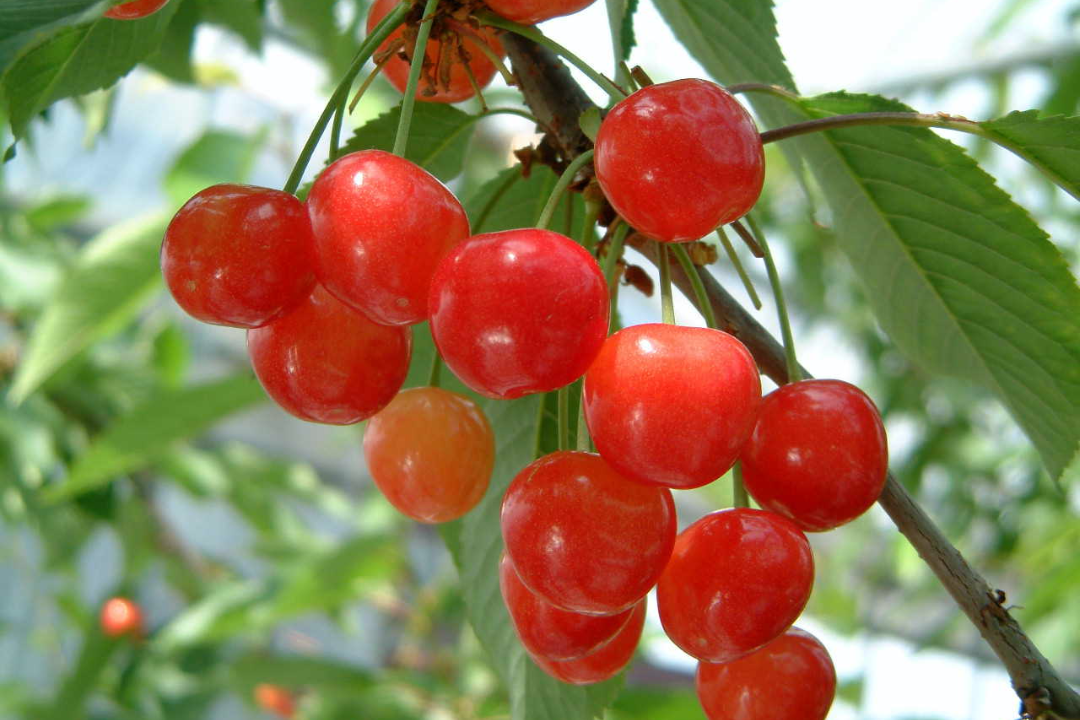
[558, 102]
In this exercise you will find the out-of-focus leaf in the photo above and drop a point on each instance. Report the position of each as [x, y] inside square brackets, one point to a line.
[172, 354]
[173, 57]
[219, 156]
[26, 22]
[57, 212]
[297, 671]
[243, 17]
[648, 703]
[81, 681]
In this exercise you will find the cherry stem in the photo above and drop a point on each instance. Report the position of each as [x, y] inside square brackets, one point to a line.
[489, 18]
[369, 79]
[560, 187]
[700, 296]
[335, 130]
[381, 31]
[475, 87]
[563, 398]
[739, 496]
[482, 45]
[588, 225]
[794, 371]
[614, 250]
[748, 284]
[667, 305]
[436, 369]
[418, 57]
[584, 441]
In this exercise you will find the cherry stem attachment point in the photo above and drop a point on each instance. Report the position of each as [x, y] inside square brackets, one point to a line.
[560, 187]
[700, 296]
[419, 54]
[794, 371]
[667, 305]
[739, 498]
[748, 284]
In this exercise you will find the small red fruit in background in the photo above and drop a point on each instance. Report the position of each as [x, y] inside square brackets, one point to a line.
[325, 362]
[737, 578]
[121, 616]
[791, 678]
[135, 9]
[678, 159]
[671, 405]
[818, 454]
[430, 452]
[518, 312]
[439, 83]
[548, 632]
[602, 664]
[239, 255]
[583, 537]
[381, 225]
[530, 12]
[275, 699]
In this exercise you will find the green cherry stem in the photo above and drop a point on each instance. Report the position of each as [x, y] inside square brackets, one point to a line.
[526, 31]
[748, 284]
[738, 488]
[335, 129]
[794, 371]
[381, 31]
[436, 369]
[563, 397]
[667, 304]
[560, 187]
[409, 101]
[588, 225]
[700, 296]
[614, 250]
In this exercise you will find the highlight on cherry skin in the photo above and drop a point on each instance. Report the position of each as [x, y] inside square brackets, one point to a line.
[737, 578]
[518, 311]
[430, 452]
[678, 140]
[604, 663]
[818, 453]
[239, 255]
[135, 10]
[671, 405]
[121, 616]
[381, 224]
[791, 678]
[583, 537]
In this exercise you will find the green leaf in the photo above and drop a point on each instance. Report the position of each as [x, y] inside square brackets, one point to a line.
[140, 436]
[111, 280]
[627, 39]
[438, 137]
[243, 17]
[1051, 144]
[77, 60]
[218, 156]
[510, 201]
[297, 671]
[173, 57]
[961, 278]
[26, 22]
[83, 678]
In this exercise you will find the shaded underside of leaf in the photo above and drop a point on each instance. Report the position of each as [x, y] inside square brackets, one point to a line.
[26, 22]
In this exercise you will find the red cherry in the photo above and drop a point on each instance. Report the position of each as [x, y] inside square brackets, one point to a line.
[121, 616]
[325, 362]
[602, 664]
[381, 225]
[671, 405]
[430, 452]
[736, 580]
[459, 88]
[530, 12]
[676, 141]
[238, 255]
[545, 630]
[135, 9]
[583, 537]
[518, 311]
[818, 453]
[791, 678]
[275, 699]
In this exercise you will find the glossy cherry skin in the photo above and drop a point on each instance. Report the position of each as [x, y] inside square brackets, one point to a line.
[325, 362]
[381, 225]
[430, 452]
[530, 12]
[671, 405]
[583, 537]
[518, 311]
[678, 159]
[135, 10]
[121, 616]
[275, 699]
[459, 88]
[545, 630]
[791, 678]
[736, 580]
[604, 663]
[239, 255]
[818, 453]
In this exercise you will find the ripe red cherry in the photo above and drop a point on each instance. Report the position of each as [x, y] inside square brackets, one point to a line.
[671, 405]
[135, 9]
[602, 664]
[275, 699]
[818, 453]
[736, 580]
[381, 225]
[239, 255]
[325, 362]
[433, 83]
[430, 452]
[545, 630]
[121, 616]
[676, 141]
[791, 678]
[530, 12]
[583, 537]
[518, 311]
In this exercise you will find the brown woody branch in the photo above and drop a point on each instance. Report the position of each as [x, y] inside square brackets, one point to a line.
[558, 102]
